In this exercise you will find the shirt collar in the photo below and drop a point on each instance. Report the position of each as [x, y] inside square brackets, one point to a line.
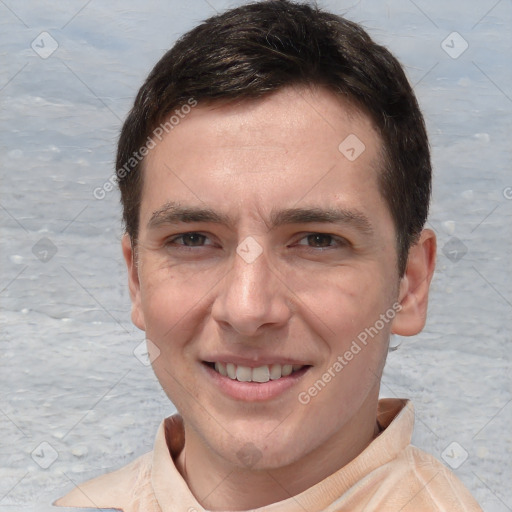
[395, 418]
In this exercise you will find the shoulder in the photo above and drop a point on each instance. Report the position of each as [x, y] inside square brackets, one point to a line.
[403, 477]
[418, 481]
[119, 489]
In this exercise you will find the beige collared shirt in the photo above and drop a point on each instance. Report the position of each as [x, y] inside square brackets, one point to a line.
[389, 475]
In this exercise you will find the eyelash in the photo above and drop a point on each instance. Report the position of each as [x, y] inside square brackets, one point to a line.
[339, 240]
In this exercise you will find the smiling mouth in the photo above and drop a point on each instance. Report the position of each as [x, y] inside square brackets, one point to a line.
[260, 374]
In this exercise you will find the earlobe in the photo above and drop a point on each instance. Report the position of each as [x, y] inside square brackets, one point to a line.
[133, 282]
[414, 286]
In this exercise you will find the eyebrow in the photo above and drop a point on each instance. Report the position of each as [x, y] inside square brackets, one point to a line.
[173, 213]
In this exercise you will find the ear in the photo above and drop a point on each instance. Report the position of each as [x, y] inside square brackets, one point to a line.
[133, 282]
[414, 286]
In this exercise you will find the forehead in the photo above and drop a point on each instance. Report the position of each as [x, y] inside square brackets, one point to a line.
[299, 118]
[298, 145]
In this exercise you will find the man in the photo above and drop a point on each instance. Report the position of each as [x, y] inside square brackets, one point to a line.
[275, 179]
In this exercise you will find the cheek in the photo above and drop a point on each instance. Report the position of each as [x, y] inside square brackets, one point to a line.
[345, 310]
[356, 341]
[171, 303]
[342, 302]
[173, 311]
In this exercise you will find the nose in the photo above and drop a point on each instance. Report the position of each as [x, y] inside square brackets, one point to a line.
[252, 298]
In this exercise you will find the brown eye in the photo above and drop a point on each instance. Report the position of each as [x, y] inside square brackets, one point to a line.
[189, 240]
[319, 240]
[193, 239]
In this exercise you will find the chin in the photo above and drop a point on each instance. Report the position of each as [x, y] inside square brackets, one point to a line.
[251, 457]
[261, 451]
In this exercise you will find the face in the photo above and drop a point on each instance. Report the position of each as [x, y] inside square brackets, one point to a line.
[264, 249]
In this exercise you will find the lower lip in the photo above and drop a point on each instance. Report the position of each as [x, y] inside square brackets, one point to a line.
[254, 391]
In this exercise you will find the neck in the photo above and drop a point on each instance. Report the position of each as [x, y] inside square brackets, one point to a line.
[219, 485]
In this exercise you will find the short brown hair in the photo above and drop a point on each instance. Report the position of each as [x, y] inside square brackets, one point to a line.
[259, 48]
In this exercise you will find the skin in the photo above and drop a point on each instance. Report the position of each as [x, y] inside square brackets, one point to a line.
[305, 297]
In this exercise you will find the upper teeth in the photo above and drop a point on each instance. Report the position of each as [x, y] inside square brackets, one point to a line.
[260, 374]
